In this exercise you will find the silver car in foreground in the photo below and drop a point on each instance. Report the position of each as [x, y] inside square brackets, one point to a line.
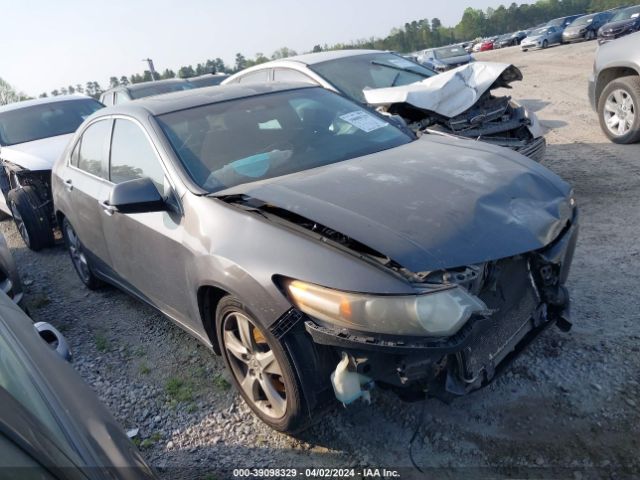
[315, 245]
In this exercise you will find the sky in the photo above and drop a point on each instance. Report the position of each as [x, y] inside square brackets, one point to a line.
[50, 44]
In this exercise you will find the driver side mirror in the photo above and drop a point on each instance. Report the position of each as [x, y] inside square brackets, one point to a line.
[136, 196]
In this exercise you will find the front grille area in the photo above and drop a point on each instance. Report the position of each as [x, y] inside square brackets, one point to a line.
[510, 293]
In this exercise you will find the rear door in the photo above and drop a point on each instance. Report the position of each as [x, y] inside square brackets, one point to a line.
[146, 248]
[85, 179]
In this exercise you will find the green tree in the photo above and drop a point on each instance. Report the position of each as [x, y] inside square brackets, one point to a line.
[113, 82]
[8, 94]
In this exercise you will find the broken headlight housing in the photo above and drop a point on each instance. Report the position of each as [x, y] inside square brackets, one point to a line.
[440, 312]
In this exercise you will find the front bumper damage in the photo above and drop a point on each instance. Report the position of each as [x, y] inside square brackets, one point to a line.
[460, 103]
[525, 294]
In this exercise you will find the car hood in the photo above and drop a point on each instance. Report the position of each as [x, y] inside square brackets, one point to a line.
[449, 93]
[434, 203]
[532, 39]
[37, 155]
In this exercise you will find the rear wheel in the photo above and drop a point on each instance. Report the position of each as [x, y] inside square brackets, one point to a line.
[618, 110]
[31, 218]
[78, 257]
[261, 370]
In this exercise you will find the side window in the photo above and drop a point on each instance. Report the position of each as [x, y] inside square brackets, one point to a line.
[121, 97]
[290, 75]
[92, 148]
[261, 76]
[75, 154]
[132, 156]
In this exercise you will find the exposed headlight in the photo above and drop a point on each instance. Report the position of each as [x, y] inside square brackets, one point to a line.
[437, 313]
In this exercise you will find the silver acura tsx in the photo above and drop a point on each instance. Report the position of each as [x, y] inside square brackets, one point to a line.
[320, 247]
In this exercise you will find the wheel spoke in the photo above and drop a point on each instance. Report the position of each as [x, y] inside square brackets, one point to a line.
[610, 106]
[619, 97]
[277, 403]
[613, 121]
[269, 363]
[234, 346]
[622, 127]
[244, 329]
[247, 384]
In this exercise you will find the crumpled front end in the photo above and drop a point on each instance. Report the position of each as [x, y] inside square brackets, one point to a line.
[460, 103]
[524, 294]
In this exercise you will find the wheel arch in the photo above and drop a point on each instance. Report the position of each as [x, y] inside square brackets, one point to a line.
[209, 297]
[609, 74]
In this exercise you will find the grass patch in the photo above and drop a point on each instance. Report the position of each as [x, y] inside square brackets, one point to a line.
[221, 383]
[179, 390]
[144, 368]
[102, 343]
[139, 352]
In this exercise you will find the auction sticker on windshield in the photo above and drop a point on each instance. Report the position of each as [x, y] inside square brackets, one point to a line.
[364, 121]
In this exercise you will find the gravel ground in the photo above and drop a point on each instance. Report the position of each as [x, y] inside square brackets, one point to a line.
[567, 407]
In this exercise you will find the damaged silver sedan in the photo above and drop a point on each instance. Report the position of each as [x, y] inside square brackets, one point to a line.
[459, 102]
[319, 248]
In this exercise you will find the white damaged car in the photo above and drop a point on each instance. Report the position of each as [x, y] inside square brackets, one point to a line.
[33, 134]
[457, 102]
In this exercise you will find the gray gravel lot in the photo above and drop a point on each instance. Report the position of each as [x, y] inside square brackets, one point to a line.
[571, 401]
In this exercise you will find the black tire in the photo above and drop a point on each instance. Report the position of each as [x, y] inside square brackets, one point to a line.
[30, 217]
[545, 43]
[591, 35]
[296, 416]
[630, 86]
[79, 259]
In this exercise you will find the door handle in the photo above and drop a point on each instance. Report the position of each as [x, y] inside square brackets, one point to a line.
[68, 185]
[107, 209]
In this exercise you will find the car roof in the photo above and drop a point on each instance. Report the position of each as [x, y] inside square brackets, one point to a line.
[168, 81]
[319, 57]
[174, 101]
[42, 101]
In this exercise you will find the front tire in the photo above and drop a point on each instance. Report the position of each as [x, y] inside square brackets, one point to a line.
[618, 110]
[261, 369]
[30, 217]
[78, 257]
[591, 35]
[545, 44]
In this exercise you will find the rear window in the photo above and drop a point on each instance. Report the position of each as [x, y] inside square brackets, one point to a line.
[42, 121]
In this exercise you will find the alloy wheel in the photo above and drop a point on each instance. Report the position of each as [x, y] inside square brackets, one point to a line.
[77, 255]
[619, 112]
[254, 365]
[22, 228]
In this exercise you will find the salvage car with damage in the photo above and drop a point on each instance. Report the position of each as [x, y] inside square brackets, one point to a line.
[457, 102]
[33, 134]
[315, 245]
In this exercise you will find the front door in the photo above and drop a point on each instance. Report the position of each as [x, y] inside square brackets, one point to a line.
[146, 248]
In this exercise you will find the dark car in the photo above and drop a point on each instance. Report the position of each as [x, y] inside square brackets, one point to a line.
[33, 134]
[135, 91]
[207, 80]
[51, 424]
[305, 237]
[585, 27]
[614, 88]
[563, 22]
[623, 23]
[506, 40]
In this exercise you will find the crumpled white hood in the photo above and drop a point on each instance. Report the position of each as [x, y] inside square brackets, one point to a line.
[449, 93]
[37, 155]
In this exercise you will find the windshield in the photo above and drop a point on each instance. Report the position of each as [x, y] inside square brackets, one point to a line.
[449, 52]
[241, 141]
[351, 75]
[582, 20]
[631, 12]
[158, 89]
[46, 120]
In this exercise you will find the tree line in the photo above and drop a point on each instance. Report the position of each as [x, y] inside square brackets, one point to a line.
[413, 36]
